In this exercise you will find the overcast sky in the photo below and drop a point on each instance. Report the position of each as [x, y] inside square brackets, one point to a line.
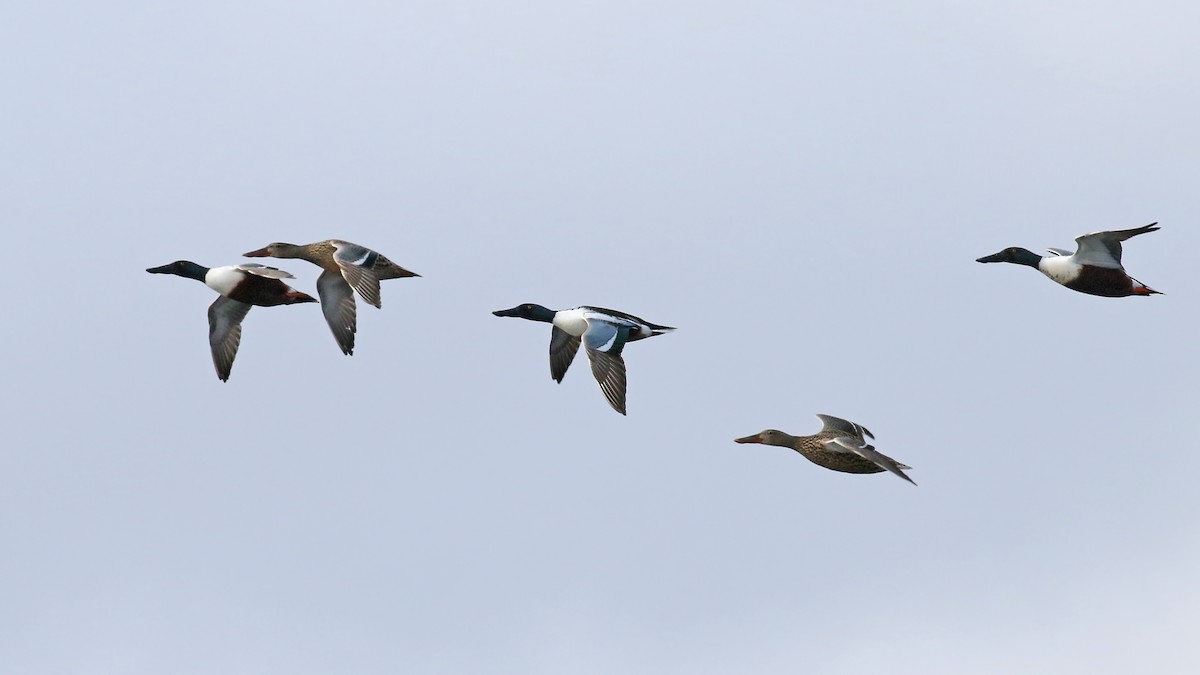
[801, 188]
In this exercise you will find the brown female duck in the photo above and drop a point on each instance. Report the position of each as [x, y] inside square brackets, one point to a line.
[840, 445]
[348, 268]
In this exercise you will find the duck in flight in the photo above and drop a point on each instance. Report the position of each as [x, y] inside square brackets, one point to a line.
[347, 268]
[1094, 268]
[840, 445]
[241, 287]
[603, 332]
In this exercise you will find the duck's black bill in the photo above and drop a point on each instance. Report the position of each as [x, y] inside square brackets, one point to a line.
[995, 257]
[515, 311]
[163, 269]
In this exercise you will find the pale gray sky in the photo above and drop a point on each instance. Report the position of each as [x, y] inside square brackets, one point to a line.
[801, 188]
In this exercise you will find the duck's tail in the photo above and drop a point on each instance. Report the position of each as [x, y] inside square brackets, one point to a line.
[1142, 289]
[294, 297]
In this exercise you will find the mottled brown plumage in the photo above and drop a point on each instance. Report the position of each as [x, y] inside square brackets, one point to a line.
[840, 445]
[348, 268]
[334, 255]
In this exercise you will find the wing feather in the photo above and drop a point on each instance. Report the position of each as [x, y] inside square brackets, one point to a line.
[356, 263]
[563, 347]
[225, 332]
[606, 336]
[869, 453]
[1103, 249]
[264, 271]
[609, 370]
[337, 304]
[831, 423]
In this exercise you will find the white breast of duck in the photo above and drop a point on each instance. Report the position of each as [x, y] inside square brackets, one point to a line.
[224, 279]
[1063, 269]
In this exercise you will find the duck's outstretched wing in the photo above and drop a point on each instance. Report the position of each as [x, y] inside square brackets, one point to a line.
[563, 347]
[337, 304]
[225, 332]
[609, 370]
[358, 267]
[1103, 249]
[831, 423]
[604, 342]
[263, 271]
[869, 453]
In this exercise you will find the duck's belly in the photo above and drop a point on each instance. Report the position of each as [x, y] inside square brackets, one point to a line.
[843, 462]
[1104, 281]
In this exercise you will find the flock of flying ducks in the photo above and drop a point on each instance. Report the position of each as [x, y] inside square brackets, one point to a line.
[1094, 268]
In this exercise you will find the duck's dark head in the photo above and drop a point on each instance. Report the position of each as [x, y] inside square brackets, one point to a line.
[183, 268]
[528, 311]
[1013, 254]
[768, 437]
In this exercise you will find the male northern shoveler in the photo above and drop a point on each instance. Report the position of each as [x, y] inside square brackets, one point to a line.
[348, 268]
[1094, 268]
[839, 445]
[241, 287]
[603, 332]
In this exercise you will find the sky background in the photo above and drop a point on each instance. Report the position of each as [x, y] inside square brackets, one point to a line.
[801, 188]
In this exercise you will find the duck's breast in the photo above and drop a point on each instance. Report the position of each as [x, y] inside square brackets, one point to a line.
[224, 279]
[571, 321]
[1062, 269]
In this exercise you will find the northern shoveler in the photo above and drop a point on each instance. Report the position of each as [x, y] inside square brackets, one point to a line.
[603, 332]
[241, 287]
[1094, 268]
[347, 268]
[840, 445]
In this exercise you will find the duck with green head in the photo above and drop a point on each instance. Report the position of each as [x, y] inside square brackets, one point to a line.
[240, 287]
[604, 334]
[1094, 268]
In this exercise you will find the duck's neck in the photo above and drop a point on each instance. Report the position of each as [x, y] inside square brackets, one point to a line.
[1023, 256]
[192, 270]
[539, 313]
[786, 440]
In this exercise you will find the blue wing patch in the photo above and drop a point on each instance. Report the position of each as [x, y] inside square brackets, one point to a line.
[606, 337]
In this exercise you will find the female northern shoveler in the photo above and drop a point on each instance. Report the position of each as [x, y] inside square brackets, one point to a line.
[604, 333]
[839, 445]
[348, 268]
[241, 287]
[1095, 267]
